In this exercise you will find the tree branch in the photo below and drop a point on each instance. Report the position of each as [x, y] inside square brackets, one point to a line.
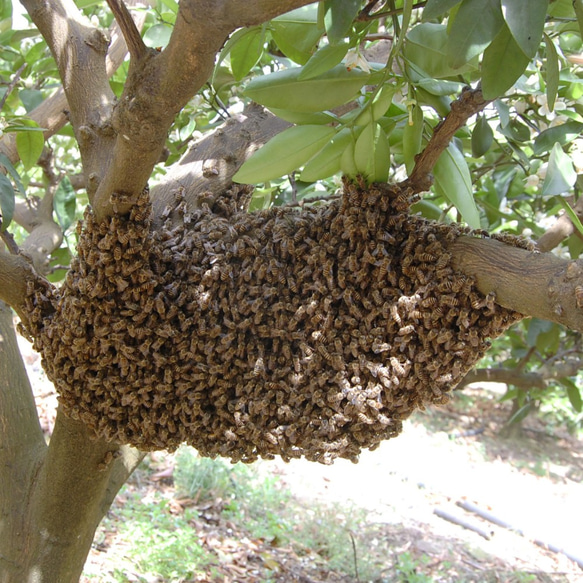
[469, 103]
[562, 228]
[535, 284]
[509, 376]
[131, 34]
[162, 84]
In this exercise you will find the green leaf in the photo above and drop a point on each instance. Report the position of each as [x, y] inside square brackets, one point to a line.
[377, 107]
[435, 8]
[372, 154]
[297, 33]
[6, 201]
[578, 6]
[497, 79]
[299, 118]
[475, 26]
[347, 164]
[4, 161]
[30, 98]
[536, 326]
[323, 60]
[574, 393]
[29, 144]
[563, 134]
[552, 72]
[246, 52]
[561, 175]
[284, 153]
[327, 161]
[64, 203]
[482, 137]
[157, 36]
[526, 20]
[339, 17]
[284, 90]
[521, 414]
[412, 136]
[454, 183]
[426, 47]
[572, 214]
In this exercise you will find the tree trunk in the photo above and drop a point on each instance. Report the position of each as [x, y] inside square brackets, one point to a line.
[52, 498]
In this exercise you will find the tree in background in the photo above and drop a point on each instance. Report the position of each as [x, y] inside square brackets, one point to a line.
[314, 323]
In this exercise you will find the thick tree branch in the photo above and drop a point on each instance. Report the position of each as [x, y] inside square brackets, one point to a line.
[469, 103]
[136, 46]
[534, 284]
[509, 376]
[162, 84]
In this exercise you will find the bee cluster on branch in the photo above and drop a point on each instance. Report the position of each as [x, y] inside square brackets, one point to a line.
[294, 333]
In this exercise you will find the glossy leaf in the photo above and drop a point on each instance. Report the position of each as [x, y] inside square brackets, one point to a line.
[347, 163]
[563, 134]
[323, 60]
[6, 200]
[426, 47]
[525, 20]
[435, 8]
[482, 137]
[247, 52]
[475, 26]
[327, 161]
[64, 203]
[299, 118]
[4, 161]
[412, 136]
[339, 17]
[496, 80]
[30, 98]
[552, 72]
[297, 33]
[284, 89]
[29, 144]
[376, 108]
[561, 175]
[372, 154]
[284, 153]
[454, 183]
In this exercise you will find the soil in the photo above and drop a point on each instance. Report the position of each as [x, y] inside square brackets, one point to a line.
[411, 489]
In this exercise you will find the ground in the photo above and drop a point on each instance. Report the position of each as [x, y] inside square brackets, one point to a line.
[389, 506]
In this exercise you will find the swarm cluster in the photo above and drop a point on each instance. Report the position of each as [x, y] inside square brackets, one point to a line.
[295, 333]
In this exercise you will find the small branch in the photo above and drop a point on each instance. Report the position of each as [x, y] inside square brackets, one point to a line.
[469, 103]
[562, 228]
[507, 376]
[12, 85]
[461, 522]
[9, 241]
[136, 46]
[365, 14]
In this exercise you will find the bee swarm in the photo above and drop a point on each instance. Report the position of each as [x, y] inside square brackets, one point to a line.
[294, 333]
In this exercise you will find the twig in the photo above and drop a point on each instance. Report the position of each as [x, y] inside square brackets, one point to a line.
[9, 241]
[355, 557]
[131, 34]
[12, 85]
[366, 15]
[469, 103]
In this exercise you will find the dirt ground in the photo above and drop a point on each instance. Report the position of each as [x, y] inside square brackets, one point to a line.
[411, 488]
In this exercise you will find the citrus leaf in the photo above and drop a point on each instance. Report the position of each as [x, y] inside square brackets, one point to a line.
[496, 80]
[561, 175]
[475, 26]
[372, 154]
[29, 145]
[6, 200]
[376, 108]
[4, 161]
[435, 8]
[482, 137]
[454, 183]
[426, 47]
[552, 72]
[563, 134]
[526, 20]
[347, 164]
[284, 90]
[338, 18]
[412, 135]
[327, 161]
[303, 118]
[297, 33]
[246, 52]
[284, 153]
[158, 36]
[323, 60]
[572, 214]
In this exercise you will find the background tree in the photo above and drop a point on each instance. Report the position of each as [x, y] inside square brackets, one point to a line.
[366, 86]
